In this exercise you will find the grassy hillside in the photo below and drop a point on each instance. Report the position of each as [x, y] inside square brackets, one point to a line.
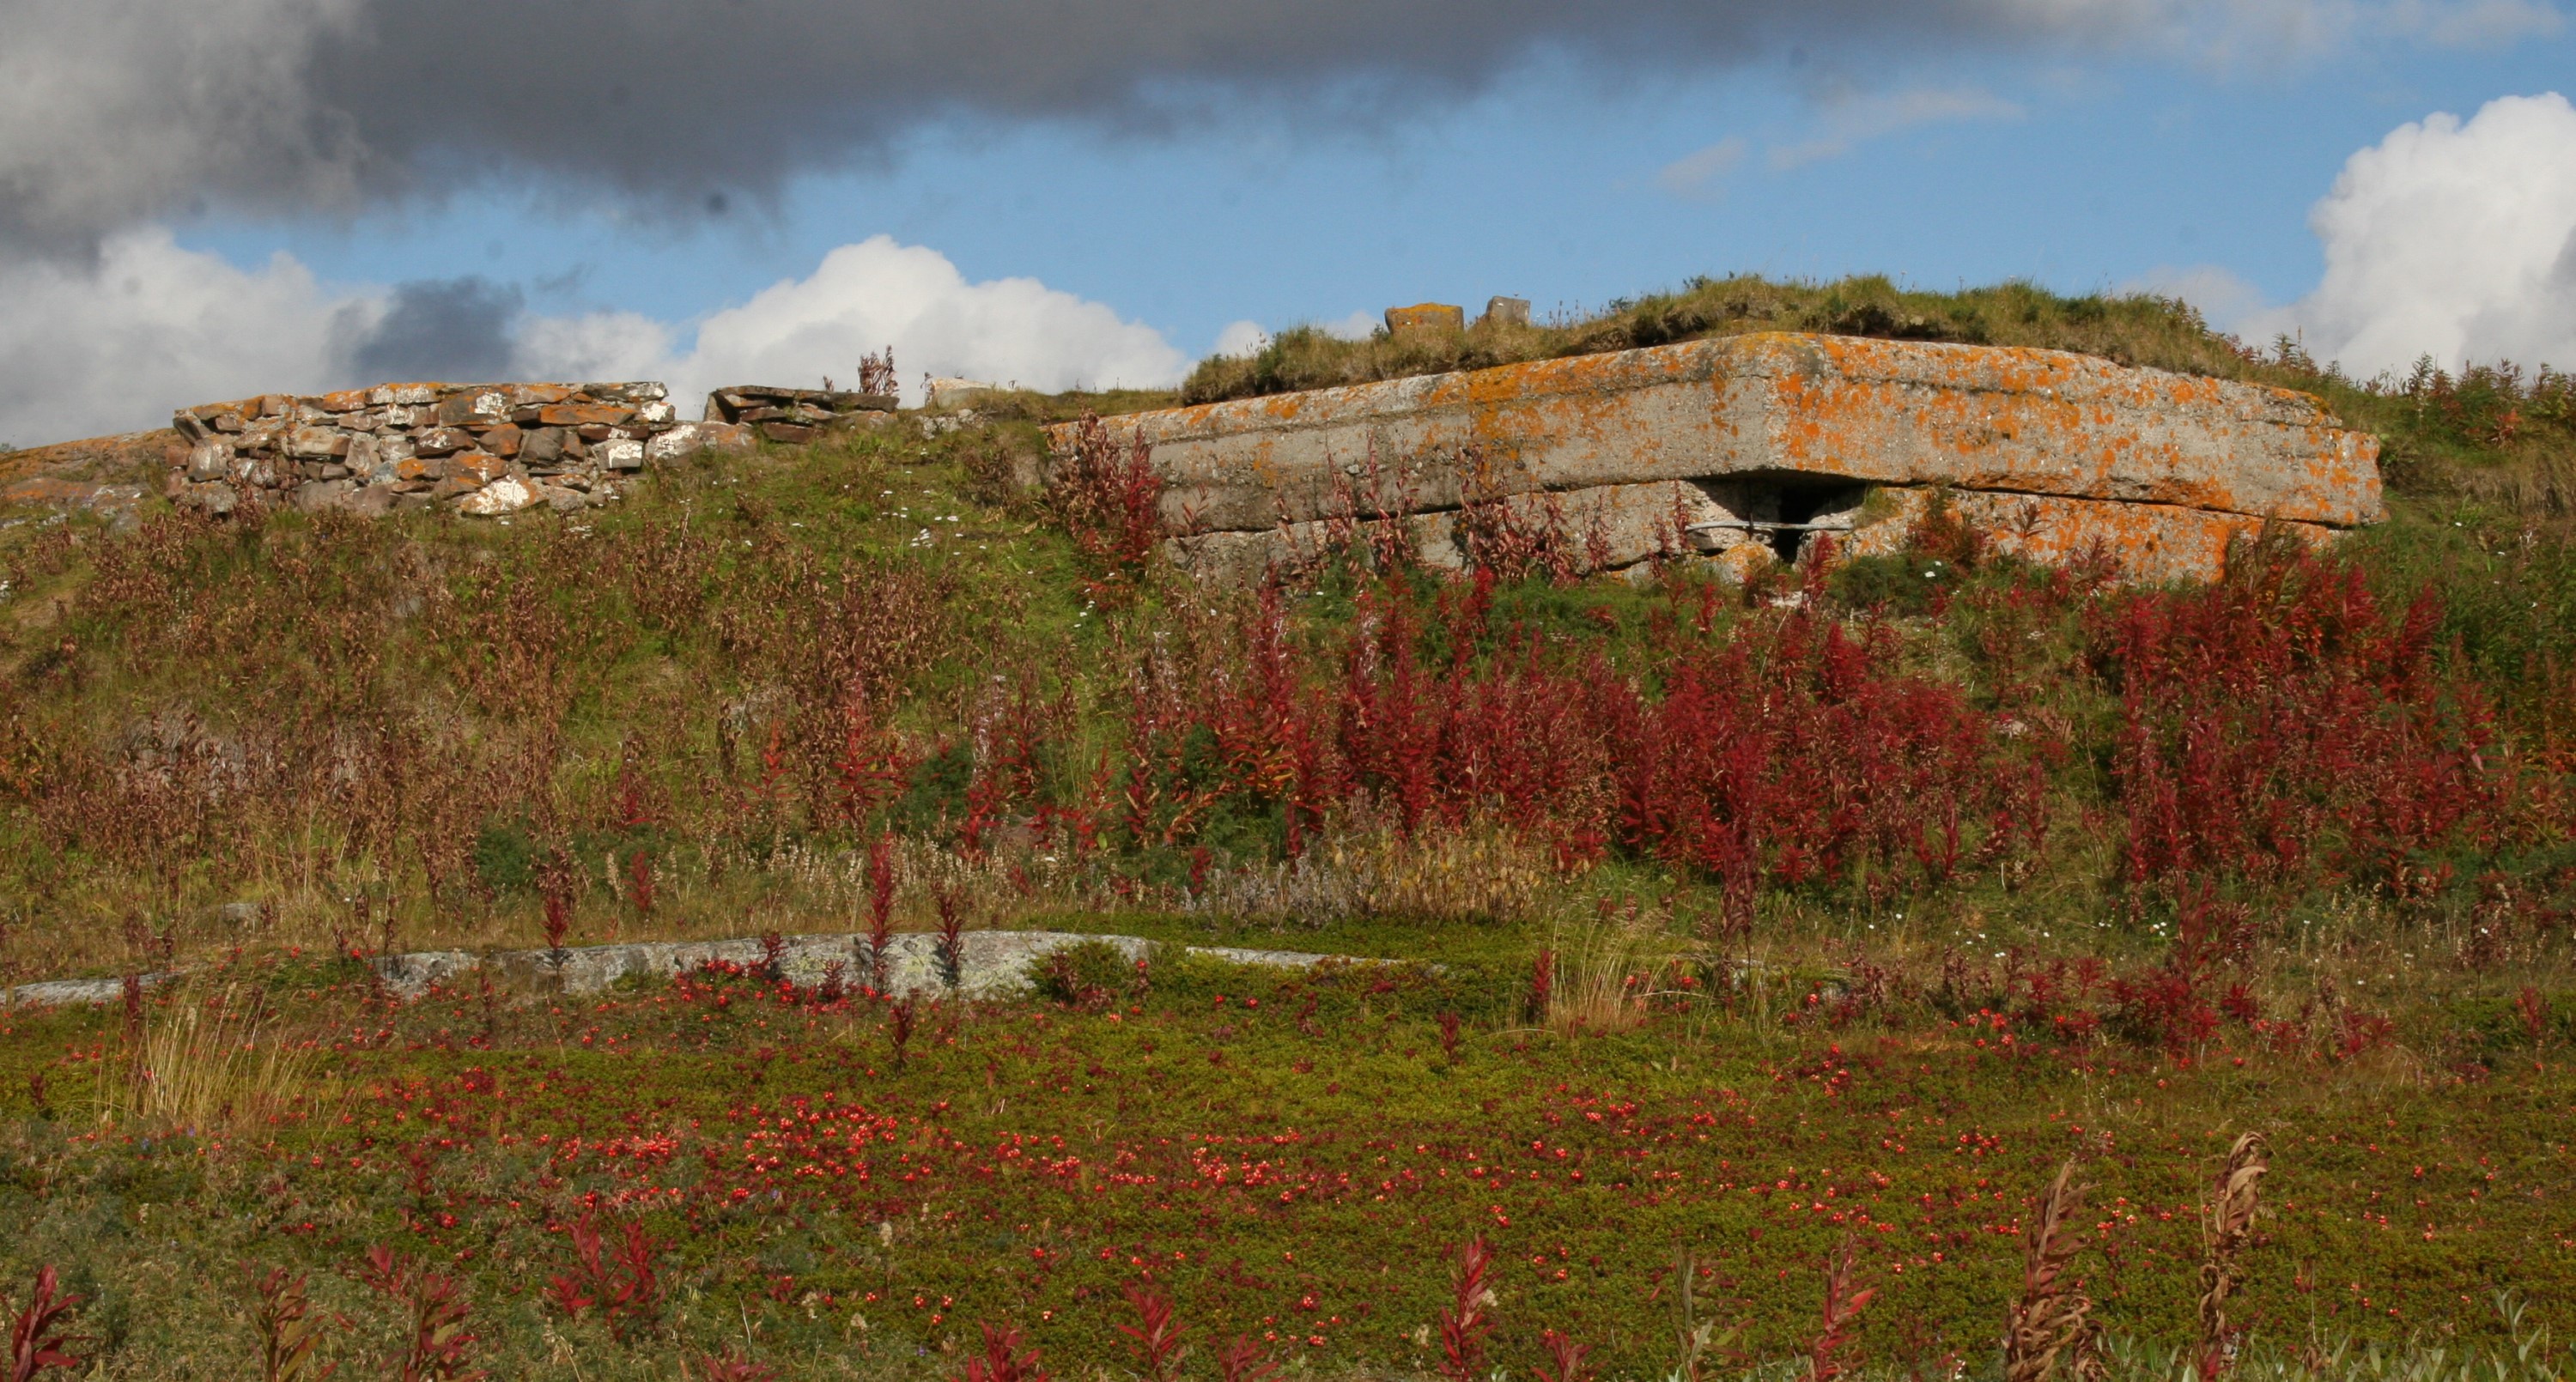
[1896, 893]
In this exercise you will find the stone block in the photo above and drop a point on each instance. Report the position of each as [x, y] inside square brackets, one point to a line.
[508, 494]
[1505, 312]
[733, 402]
[471, 406]
[618, 455]
[503, 440]
[541, 446]
[1425, 318]
[312, 442]
[371, 501]
[439, 441]
[317, 495]
[585, 414]
[697, 436]
[789, 433]
[210, 460]
[345, 401]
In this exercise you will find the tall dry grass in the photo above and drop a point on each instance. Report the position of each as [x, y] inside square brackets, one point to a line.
[1606, 971]
[215, 1063]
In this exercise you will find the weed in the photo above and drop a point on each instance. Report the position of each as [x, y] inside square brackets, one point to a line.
[437, 1347]
[621, 1283]
[36, 1338]
[2227, 1222]
[282, 1318]
[1844, 1298]
[1002, 1360]
[1463, 1322]
[1159, 1346]
[2052, 1317]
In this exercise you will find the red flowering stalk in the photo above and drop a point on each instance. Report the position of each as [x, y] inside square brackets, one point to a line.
[622, 1284]
[899, 1018]
[36, 1341]
[288, 1333]
[1842, 1305]
[1464, 1324]
[1158, 1339]
[1243, 1361]
[1002, 1360]
[440, 1347]
[1567, 1361]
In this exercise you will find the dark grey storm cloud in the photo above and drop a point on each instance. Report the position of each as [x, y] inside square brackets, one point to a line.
[455, 328]
[113, 111]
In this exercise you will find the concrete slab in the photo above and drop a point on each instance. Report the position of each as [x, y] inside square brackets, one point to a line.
[1887, 412]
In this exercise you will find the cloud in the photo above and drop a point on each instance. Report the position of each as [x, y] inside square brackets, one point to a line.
[116, 342]
[2451, 238]
[1695, 175]
[118, 112]
[1851, 118]
[1358, 326]
[457, 328]
[2225, 300]
[878, 293]
[1241, 339]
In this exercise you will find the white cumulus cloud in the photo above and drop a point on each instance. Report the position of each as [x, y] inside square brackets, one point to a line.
[2451, 238]
[878, 293]
[115, 343]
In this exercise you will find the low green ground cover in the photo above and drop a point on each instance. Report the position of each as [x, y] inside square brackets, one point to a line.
[1288, 1155]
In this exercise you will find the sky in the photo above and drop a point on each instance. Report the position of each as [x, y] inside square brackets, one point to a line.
[227, 197]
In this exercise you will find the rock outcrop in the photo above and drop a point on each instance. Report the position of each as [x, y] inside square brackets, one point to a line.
[1746, 447]
[107, 476]
[484, 449]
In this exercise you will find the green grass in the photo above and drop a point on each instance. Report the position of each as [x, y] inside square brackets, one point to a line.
[1284, 1155]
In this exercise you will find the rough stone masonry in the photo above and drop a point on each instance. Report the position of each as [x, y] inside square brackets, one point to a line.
[486, 449]
[1749, 448]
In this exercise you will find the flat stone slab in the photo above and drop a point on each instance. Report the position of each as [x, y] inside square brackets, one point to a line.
[991, 964]
[2037, 422]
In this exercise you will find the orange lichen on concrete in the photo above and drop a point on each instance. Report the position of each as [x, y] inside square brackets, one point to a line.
[2142, 542]
[2047, 424]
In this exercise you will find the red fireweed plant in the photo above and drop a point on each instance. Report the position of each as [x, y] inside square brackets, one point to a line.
[1463, 1323]
[36, 1338]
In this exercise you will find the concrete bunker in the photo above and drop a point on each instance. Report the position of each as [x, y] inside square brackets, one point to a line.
[1747, 449]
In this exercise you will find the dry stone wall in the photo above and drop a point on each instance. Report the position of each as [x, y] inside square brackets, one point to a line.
[483, 449]
[1746, 448]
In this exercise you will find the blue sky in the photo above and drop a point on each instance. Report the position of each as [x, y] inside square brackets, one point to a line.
[1563, 178]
